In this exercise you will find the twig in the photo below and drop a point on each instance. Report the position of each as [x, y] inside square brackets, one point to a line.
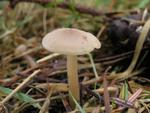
[122, 55]
[48, 57]
[110, 90]
[129, 102]
[66, 103]
[19, 87]
[106, 93]
[46, 103]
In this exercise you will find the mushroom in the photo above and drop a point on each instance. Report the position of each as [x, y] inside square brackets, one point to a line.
[22, 48]
[71, 42]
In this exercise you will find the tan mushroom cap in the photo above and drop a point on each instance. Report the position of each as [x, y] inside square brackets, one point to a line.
[70, 41]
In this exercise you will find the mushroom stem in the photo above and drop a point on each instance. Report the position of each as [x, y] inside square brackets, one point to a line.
[30, 60]
[73, 79]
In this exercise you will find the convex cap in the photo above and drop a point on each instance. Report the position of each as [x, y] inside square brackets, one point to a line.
[70, 41]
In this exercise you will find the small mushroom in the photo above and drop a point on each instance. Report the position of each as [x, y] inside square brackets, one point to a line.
[22, 48]
[71, 42]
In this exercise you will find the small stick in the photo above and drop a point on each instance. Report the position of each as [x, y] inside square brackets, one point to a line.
[19, 87]
[48, 57]
[47, 102]
[106, 93]
[110, 90]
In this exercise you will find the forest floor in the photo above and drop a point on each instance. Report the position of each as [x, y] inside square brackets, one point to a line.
[33, 80]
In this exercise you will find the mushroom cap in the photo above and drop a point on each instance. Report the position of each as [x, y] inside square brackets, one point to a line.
[20, 49]
[70, 41]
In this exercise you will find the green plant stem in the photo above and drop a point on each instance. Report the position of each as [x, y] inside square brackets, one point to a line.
[93, 65]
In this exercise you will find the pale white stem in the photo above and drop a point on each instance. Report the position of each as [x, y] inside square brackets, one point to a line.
[73, 79]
